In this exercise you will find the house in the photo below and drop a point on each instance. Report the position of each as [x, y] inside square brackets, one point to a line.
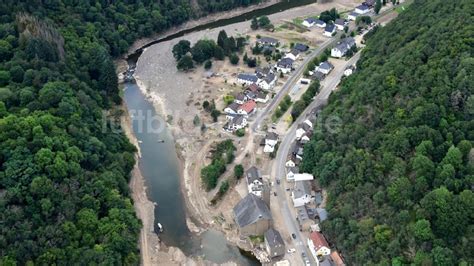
[343, 47]
[309, 22]
[247, 108]
[268, 41]
[322, 214]
[292, 161]
[240, 98]
[337, 259]
[303, 129]
[261, 97]
[303, 177]
[309, 123]
[274, 243]
[236, 123]
[262, 72]
[254, 181]
[247, 79]
[324, 67]
[232, 108]
[329, 30]
[253, 88]
[302, 216]
[320, 23]
[318, 245]
[290, 173]
[285, 65]
[353, 16]
[268, 82]
[293, 54]
[252, 216]
[318, 198]
[301, 194]
[305, 138]
[301, 47]
[318, 75]
[340, 23]
[349, 71]
[271, 140]
[362, 9]
[297, 150]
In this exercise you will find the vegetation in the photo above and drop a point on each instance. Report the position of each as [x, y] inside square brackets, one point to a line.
[238, 171]
[307, 97]
[363, 20]
[240, 132]
[378, 6]
[234, 59]
[282, 107]
[262, 22]
[399, 170]
[221, 156]
[329, 15]
[208, 65]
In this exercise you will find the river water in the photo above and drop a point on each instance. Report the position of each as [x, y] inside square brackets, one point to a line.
[160, 166]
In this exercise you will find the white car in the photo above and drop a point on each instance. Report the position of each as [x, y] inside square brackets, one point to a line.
[291, 250]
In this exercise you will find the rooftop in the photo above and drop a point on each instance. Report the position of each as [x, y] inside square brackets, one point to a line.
[248, 106]
[302, 188]
[271, 136]
[318, 240]
[329, 28]
[273, 238]
[249, 77]
[250, 210]
[253, 174]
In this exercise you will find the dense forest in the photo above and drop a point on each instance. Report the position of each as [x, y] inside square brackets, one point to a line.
[400, 169]
[64, 196]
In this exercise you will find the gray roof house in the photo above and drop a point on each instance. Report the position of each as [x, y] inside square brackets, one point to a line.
[285, 62]
[325, 67]
[267, 41]
[247, 77]
[253, 174]
[274, 243]
[252, 215]
[301, 47]
[343, 46]
[322, 214]
[329, 29]
[340, 22]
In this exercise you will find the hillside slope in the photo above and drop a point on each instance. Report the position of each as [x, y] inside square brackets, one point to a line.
[400, 169]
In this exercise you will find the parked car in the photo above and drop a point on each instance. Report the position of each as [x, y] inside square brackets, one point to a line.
[291, 250]
[293, 235]
[278, 181]
[274, 193]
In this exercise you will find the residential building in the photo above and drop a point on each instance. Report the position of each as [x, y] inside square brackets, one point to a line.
[303, 218]
[252, 215]
[271, 140]
[293, 54]
[301, 193]
[322, 214]
[253, 87]
[232, 108]
[343, 47]
[301, 47]
[320, 23]
[268, 82]
[318, 245]
[340, 23]
[291, 172]
[297, 150]
[353, 16]
[247, 79]
[362, 9]
[305, 138]
[240, 98]
[318, 75]
[329, 30]
[274, 243]
[324, 67]
[349, 71]
[262, 72]
[303, 177]
[247, 108]
[236, 123]
[285, 65]
[254, 181]
[309, 22]
[337, 259]
[268, 41]
[292, 161]
[261, 97]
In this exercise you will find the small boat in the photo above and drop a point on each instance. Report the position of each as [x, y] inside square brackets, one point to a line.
[161, 227]
[140, 141]
[161, 140]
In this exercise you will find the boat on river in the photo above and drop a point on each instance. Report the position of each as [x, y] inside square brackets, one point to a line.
[160, 227]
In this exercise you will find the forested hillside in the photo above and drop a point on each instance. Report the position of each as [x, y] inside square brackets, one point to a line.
[400, 170]
[64, 196]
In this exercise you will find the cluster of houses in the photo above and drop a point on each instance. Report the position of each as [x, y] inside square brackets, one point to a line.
[329, 28]
[362, 9]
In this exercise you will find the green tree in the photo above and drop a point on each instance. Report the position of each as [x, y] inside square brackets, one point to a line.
[422, 230]
[185, 63]
[238, 171]
[222, 38]
[378, 6]
[5, 50]
[254, 23]
[181, 48]
[208, 64]
[234, 59]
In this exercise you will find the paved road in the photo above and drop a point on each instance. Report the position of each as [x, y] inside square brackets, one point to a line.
[328, 85]
[290, 83]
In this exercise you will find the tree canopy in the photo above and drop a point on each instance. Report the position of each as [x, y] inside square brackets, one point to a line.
[399, 170]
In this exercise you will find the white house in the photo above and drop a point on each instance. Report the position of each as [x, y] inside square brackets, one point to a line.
[343, 47]
[309, 22]
[247, 108]
[303, 177]
[271, 140]
[349, 71]
[247, 79]
[268, 82]
[353, 16]
[320, 23]
[324, 67]
[309, 123]
[362, 9]
[318, 245]
[299, 133]
[293, 54]
[261, 97]
[329, 30]
[305, 139]
[268, 41]
[292, 161]
[290, 173]
[240, 98]
[236, 123]
[232, 108]
[285, 65]
[340, 23]
[301, 194]
[254, 181]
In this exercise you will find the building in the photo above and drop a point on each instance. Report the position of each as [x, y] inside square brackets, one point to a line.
[320, 23]
[232, 109]
[252, 215]
[303, 177]
[362, 9]
[274, 243]
[309, 22]
[293, 54]
[337, 259]
[318, 75]
[247, 79]
[301, 194]
[247, 108]
[343, 47]
[253, 88]
[318, 245]
[254, 181]
[353, 16]
[292, 161]
[340, 23]
[268, 82]
[302, 217]
[268, 41]
[329, 30]
[324, 67]
[297, 150]
[236, 123]
[240, 98]
[322, 214]
[285, 65]
[290, 173]
[262, 72]
[349, 71]
[306, 137]
[261, 97]
[301, 47]
[271, 140]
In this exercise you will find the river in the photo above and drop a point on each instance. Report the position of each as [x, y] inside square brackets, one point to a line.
[160, 165]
